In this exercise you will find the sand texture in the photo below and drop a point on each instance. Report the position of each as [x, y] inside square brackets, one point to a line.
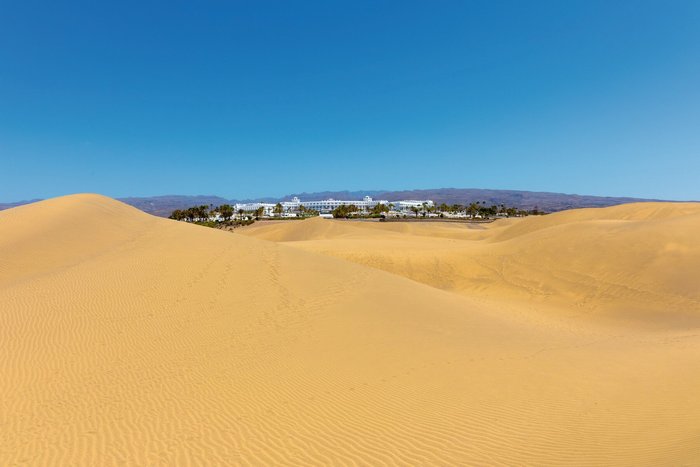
[569, 339]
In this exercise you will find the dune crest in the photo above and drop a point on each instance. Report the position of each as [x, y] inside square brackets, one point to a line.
[129, 339]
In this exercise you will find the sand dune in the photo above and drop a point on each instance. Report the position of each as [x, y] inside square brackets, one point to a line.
[128, 339]
[639, 262]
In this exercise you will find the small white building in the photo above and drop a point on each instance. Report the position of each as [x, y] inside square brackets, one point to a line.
[406, 205]
[268, 209]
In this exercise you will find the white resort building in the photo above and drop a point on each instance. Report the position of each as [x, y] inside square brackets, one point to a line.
[328, 205]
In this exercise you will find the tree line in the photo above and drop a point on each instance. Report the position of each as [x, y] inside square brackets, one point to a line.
[477, 209]
[350, 210]
[301, 210]
[480, 209]
[216, 216]
[226, 213]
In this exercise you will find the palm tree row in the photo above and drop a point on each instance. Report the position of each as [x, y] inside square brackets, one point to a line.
[351, 210]
[203, 213]
[481, 210]
[476, 209]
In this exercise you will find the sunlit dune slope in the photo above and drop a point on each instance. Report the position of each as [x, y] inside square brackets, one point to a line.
[127, 339]
[60, 232]
[643, 213]
[637, 261]
[325, 229]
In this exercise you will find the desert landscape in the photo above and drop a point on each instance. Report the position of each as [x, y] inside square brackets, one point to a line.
[566, 339]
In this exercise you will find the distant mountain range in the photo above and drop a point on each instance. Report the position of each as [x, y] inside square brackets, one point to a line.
[545, 201]
[17, 203]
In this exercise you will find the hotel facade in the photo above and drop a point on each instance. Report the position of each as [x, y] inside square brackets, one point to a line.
[327, 206]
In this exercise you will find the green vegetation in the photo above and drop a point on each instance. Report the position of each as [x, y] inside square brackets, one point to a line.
[303, 211]
[345, 211]
[220, 217]
[225, 216]
[379, 209]
[226, 211]
[479, 209]
[474, 210]
[191, 214]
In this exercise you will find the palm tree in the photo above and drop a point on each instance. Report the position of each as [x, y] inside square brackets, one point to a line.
[202, 212]
[278, 209]
[178, 215]
[415, 210]
[226, 211]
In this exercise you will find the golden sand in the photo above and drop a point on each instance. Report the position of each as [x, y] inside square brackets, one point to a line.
[566, 339]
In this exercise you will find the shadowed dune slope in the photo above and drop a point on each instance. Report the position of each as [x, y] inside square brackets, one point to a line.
[640, 262]
[128, 339]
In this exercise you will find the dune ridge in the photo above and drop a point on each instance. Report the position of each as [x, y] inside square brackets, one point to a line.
[128, 339]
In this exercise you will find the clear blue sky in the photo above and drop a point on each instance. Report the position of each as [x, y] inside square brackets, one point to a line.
[251, 98]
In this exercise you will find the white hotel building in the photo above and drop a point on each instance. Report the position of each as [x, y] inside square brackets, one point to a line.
[328, 205]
